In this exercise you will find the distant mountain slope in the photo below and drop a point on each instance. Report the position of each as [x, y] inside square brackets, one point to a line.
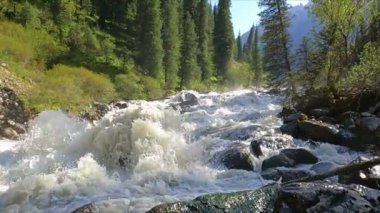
[302, 24]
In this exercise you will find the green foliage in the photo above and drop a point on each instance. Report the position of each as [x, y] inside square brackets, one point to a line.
[366, 74]
[128, 86]
[69, 88]
[240, 75]
[256, 61]
[275, 19]
[239, 54]
[149, 38]
[190, 72]
[223, 38]
[171, 43]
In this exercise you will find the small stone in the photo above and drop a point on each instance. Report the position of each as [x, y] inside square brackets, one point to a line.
[10, 133]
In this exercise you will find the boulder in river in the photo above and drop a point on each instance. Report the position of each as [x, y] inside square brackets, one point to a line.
[324, 166]
[317, 113]
[319, 131]
[295, 117]
[289, 158]
[261, 200]
[236, 157]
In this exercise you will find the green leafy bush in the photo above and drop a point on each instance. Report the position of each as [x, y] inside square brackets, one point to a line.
[239, 75]
[69, 88]
[128, 86]
[366, 74]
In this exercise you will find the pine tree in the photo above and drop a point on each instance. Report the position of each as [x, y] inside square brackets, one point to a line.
[149, 37]
[204, 42]
[275, 20]
[239, 55]
[223, 38]
[248, 46]
[171, 39]
[256, 58]
[190, 71]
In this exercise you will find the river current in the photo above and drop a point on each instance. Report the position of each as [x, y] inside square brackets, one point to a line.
[146, 154]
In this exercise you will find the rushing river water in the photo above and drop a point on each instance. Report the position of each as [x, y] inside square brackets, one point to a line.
[64, 163]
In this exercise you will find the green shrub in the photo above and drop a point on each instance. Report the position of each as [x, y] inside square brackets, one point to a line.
[366, 74]
[152, 87]
[69, 88]
[128, 86]
[239, 75]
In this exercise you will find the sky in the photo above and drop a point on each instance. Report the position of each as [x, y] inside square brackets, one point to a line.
[245, 13]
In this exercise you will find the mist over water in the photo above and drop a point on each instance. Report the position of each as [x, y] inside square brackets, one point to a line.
[138, 157]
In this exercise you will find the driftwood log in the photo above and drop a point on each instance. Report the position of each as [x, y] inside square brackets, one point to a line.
[344, 170]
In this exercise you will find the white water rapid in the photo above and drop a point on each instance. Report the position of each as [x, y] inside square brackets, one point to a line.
[64, 163]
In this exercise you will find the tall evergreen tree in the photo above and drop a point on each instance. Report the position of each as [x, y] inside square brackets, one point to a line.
[275, 19]
[149, 37]
[256, 58]
[171, 39]
[239, 54]
[223, 38]
[190, 71]
[205, 38]
[247, 49]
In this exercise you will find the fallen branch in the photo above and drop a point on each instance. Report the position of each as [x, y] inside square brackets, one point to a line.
[352, 168]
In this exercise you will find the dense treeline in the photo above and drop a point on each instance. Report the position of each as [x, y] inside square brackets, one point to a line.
[145, 48]
[341, 56]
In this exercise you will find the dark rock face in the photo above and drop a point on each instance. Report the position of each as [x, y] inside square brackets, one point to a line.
[320, 197]
[256, 148]
[261, 200]
[184, 101]
[289, 158]
[236, 157]
[290, 128]
[295, 117]
[13, 116]
[318, 131]
[284, 174]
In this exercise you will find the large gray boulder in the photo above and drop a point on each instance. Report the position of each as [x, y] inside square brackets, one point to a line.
[236, 157]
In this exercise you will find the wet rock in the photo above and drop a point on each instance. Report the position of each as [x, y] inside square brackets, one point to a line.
[272, 142]
[348, 115]
[284, 174]
[10, 133]
[367, 114]
[365, 177]
[369, 123]
[289, 158]
[121, 104]
[96, 111]
[261, 200]
[320, 197]
[327, 119]
[290, 129]
[295, 117]
[349, 123]
[319, 112]
[323, 167]
[236, 157]
[350, 139]
[317, 130]
[256, 148]
[88, 208]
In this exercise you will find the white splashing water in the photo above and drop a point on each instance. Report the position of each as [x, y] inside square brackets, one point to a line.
[64, 163]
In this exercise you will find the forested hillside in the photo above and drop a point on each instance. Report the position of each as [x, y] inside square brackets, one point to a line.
[73, 52]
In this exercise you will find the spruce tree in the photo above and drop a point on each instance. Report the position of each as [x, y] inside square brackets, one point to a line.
[256, 58]
[275, 20]
[223, 38]
[204, 42]
[171, 39]
[190, 72]
[239, 54]
[248, 46]
[149, 38]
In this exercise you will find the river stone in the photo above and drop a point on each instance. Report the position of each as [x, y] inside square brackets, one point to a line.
[370, 123]
[284, 174]
[261, 200]
[320, 197]
[324, 166]
[289, 158]
[319, 131]
[256, 148]
[295, 117]
[319, 112]
[290, 128]
[236, 157]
